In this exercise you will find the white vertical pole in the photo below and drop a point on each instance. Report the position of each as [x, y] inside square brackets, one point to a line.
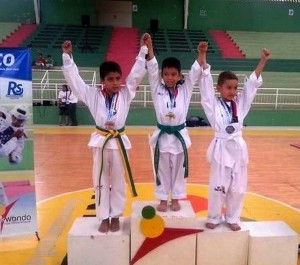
[37, 11]
[186, 13]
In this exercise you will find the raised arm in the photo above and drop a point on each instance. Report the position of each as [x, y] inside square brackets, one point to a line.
[138, 70]
[67, 47]
[147, 40]
[207, 90]
[247, 95]
[265, 55]
[194, 74]
[152, 64]
[71, 74]
[202, 50]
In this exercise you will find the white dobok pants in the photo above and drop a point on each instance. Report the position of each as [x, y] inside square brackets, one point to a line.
[226, 187]
[112, 190]
[171, 175]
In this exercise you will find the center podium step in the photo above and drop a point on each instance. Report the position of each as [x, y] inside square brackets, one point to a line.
[182, 239]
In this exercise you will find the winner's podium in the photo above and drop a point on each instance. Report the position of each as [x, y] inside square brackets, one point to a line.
[272, 242]
[221, 245]
[87, 246]
[178, 251]
[177, 238]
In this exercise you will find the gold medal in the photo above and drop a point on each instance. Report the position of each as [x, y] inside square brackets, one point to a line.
[171, 115]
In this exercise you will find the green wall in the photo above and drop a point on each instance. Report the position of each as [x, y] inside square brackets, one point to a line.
[168, 13]
[67, 11]
[146, 116]
[17, 11]
[254, 15]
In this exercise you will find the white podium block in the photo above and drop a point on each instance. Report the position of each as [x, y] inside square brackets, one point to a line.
[86, 245]
[221, 245]
[177, 251]
[272, 243]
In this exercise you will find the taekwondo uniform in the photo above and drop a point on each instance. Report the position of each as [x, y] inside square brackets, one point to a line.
[227, 153]
[171, 136]
[16, 156]
[7, 142]
[108, 170]
[10, 146]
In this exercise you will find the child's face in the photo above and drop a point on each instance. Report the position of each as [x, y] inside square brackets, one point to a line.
[112, 82]
[171, 76]
[228, 90]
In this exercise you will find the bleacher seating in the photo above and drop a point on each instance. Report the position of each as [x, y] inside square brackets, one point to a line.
[181, 44]
[283, 45]
[17, 37]
[89, 44]
[285, 49]
[6, 28]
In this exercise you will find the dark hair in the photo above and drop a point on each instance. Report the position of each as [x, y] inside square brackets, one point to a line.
[171, 62]
[226, 75]
[65, 86]
[109, 67]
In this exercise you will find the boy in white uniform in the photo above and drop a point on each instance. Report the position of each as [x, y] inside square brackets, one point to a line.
[171, 139]
[227, 153]
[109, 108]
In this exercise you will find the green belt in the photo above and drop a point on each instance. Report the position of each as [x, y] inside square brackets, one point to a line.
[170, 130]
[117, 134]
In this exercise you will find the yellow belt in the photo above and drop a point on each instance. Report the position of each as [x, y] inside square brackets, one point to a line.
[108, 134]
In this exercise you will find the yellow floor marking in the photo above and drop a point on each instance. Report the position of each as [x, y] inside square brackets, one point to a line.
[64, 209]
[56, 216]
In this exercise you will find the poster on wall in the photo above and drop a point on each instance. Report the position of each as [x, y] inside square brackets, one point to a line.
[17, 190]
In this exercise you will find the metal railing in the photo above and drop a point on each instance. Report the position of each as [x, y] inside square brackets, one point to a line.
[46, 89]
[47, 84]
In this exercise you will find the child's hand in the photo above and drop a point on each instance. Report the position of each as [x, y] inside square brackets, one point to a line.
[67, 47]
[265, 54]
[146, 40]
[202, 47]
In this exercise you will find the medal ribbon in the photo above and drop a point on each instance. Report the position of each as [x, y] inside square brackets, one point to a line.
[111, 103]
[227, 109]
[172, 103]
[234, 112]
[231, 112]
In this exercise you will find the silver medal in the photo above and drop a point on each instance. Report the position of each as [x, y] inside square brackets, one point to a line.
[230, 129]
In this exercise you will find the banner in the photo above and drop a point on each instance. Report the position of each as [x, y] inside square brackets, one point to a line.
[17, 189]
